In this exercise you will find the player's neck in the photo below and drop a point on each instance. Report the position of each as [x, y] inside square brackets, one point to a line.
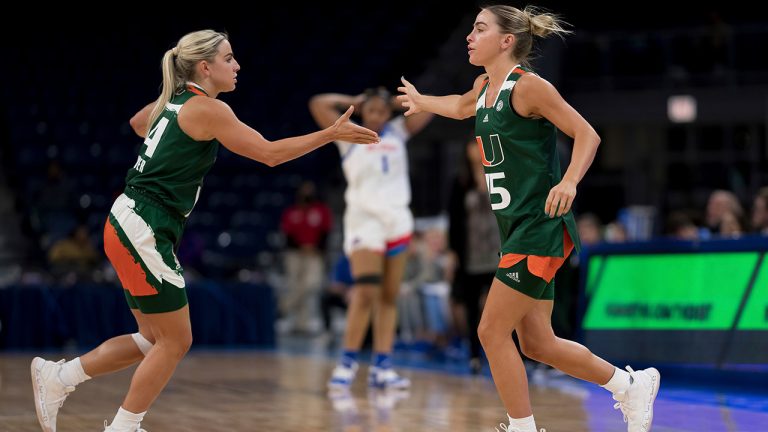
[498, 71]
[205, 86]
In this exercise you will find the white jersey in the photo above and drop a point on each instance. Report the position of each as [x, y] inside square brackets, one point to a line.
[377, 175]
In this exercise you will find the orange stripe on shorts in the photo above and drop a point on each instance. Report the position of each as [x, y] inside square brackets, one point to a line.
[544, 267]
[129, 271]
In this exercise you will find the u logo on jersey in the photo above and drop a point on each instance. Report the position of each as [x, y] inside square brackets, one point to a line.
[497, 153]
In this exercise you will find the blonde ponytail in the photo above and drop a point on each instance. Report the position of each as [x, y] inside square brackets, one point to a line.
[178, 65]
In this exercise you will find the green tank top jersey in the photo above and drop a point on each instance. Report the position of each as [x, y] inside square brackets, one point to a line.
[171, 165]
[521, 166]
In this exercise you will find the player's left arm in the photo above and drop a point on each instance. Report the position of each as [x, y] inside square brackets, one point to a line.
[140, 119]
[536, 97]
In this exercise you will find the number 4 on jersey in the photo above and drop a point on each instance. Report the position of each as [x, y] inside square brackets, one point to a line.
[152, 139]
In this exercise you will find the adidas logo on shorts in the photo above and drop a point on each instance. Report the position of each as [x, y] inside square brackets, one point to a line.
[514, 276]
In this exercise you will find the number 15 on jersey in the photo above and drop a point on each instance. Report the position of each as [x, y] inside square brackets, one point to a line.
[496, 158]
[493, 189]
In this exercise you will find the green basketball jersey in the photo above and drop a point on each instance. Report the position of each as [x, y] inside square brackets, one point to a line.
[521, 166]
[171, 165]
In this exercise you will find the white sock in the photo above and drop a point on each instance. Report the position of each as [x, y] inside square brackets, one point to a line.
[126, 421]
[72, 373]
[526, 424]
[619, 382]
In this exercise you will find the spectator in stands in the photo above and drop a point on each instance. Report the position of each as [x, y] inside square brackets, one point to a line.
[680, 226]
[55, 205]
[74, 254]
[410, 311]
[305, 225]
[182, 131]
[590, 229]
[429, 272]
[474, 242]
[720, 202]
[731, 225]
[760, 212]
[336, 296]
[616, 232]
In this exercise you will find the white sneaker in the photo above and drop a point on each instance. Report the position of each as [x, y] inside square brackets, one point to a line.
[342, 376]
[50, 392]
[637, 402]
[108, 428]
[387, 378]
[343, 402]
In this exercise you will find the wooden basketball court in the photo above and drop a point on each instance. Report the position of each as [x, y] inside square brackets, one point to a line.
[267, 391]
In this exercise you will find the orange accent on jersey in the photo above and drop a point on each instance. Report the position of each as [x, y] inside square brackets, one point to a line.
[519, 71]
[482, 151]
[196, 90]
[130, 273]
[544, 267]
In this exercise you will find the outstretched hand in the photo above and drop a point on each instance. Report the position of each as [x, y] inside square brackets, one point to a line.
[345, 130]
[560, 199]
[409, 98]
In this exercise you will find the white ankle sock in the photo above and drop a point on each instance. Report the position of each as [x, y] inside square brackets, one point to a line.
[126, 421]
[72, 373]
[526, 424]
[619, 382]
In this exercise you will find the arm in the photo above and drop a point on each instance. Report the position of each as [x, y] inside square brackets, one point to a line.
[534, 96]
[207, 118]
[139, 120]
[413, 123]
[325, 107]
[452, 106]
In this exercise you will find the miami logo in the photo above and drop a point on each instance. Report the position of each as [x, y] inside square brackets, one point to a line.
[496, 152]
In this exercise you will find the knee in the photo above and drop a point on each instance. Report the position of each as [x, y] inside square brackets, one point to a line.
[491, 334]
[389, 298]
[177, 345]
[185, 343]
[535, 349]
[365, 297]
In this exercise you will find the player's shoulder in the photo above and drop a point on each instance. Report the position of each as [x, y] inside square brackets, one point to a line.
[530, 83]
[206, 103]
[206, 107]
[481, 81]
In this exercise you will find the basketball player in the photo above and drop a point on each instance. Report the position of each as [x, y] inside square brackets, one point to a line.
[517, 117]
[182, 132]
[377, 228]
